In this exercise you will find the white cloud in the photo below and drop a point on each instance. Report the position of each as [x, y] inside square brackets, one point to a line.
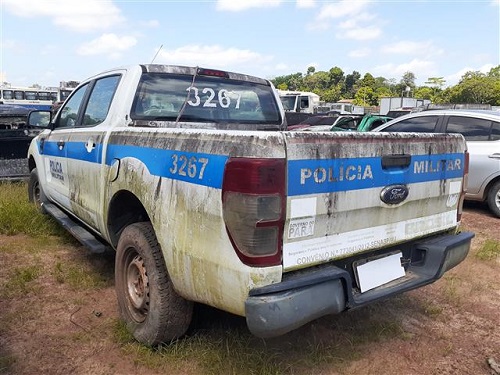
[495, 2]
[151, 24]
[241, 5]
[48, 49]
[343, 8]
[357, 53]
[454, 78]
[306, 3]
[282, 67]
[422, 69]
[406, 47]
[107, 44]
[355, 23]
[318, 26]
[360, 33]
[76, 15]
[213, 56]
[354, 28]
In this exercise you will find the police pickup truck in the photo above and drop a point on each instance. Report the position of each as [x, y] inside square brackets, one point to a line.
[189, 174]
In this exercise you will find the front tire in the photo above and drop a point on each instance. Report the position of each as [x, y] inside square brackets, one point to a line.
[151, 309]
[494, 199]
[35, 191]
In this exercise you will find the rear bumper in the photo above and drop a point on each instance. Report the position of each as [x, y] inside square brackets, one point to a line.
[309, 294]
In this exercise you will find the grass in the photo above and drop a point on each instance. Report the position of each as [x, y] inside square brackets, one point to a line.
[490, 250]
[330, 342]
[19, 216]
[78, 276]
[236, 351]
[6, 362]
[21, 281]
[206, 351]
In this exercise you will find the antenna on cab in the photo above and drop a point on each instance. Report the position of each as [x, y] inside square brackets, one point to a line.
[157, 52]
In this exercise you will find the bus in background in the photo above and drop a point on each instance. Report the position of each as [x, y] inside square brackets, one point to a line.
[33, 97]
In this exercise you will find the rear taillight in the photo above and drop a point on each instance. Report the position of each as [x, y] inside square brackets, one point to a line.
[464, 186]
[253, 199]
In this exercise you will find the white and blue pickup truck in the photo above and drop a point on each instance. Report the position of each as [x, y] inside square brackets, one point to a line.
[190, 175]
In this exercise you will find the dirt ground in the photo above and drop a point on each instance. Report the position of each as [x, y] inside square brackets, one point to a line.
[449, 327]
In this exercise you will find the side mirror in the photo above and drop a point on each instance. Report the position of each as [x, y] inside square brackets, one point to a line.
[39, 119]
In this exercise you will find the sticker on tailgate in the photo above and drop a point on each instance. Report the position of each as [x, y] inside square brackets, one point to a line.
[332, 175]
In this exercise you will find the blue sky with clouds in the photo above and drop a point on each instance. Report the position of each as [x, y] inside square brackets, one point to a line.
[48, 41]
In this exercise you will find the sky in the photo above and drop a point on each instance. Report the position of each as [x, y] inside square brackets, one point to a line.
[48, 41]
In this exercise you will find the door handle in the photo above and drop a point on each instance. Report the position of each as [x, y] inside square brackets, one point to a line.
[90, 145]
[60, 144]
[396, 161]
[496, 155]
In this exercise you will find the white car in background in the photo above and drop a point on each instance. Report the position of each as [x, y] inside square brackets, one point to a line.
[481, 130]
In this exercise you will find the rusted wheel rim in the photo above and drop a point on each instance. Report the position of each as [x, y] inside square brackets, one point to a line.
[137, 288]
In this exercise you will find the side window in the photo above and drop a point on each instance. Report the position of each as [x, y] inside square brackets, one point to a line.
[304, 102]
[495, 131]
[473, 129]
[100, 100]
[8, 94]
[69, 113]
[424, 124]
[375, 124]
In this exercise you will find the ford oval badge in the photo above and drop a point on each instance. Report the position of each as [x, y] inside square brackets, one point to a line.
[394, 194]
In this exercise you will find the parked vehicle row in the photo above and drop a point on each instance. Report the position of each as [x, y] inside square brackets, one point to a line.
[352, 122]
[481, 130]
[15, 138]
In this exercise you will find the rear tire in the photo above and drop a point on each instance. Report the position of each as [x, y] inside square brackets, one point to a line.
[494, 199]
[35, 191]
[151, 309]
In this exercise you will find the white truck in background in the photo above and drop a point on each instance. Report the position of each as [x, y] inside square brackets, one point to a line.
[299, 101]
[190, 176]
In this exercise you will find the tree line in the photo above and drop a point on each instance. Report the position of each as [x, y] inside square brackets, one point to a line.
[333, 85]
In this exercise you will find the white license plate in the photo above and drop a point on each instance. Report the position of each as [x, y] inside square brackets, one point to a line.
[379, 272]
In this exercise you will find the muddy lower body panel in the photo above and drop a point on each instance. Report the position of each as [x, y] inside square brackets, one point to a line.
[331, 288]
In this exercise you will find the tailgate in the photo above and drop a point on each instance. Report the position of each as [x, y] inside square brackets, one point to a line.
[352, 192]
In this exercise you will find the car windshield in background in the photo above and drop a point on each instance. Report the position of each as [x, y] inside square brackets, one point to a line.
[164, 97]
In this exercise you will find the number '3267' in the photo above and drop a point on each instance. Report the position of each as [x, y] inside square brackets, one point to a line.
[188, 166]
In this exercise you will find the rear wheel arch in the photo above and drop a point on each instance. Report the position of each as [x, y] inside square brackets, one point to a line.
[124, 209]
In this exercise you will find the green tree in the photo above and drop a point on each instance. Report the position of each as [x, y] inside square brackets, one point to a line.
[351, 81]
[408, 79]
[367, 81]
[318, 81]
[336, 76]
[436, 82]
[425, 92]
[291, 81]
[331, 95]
[365, 97]
[475, 87]
[382, 92]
